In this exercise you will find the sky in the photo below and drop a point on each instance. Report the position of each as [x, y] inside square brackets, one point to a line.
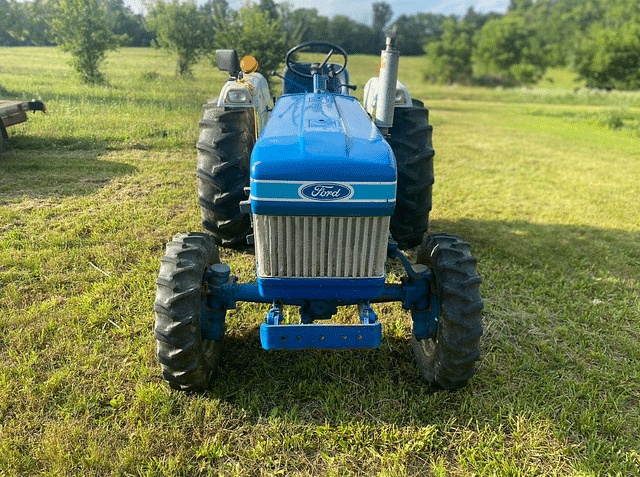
[361, 10]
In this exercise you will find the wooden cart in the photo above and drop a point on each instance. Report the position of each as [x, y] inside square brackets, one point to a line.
[15, 112]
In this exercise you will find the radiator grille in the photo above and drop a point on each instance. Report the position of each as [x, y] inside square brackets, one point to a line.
[327, 247]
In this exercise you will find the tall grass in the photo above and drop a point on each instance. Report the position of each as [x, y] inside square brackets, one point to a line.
[90, 192]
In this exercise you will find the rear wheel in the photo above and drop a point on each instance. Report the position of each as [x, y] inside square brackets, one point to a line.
[224, 148]
[447, 360]
[411, 143]
[187, 359]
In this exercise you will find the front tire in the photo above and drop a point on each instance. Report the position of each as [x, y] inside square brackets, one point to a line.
[411, 143]
[224, 148]
[447, 360]
[187, 359]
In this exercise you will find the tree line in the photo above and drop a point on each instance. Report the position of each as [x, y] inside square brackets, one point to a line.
[30, 23]
[600, 39]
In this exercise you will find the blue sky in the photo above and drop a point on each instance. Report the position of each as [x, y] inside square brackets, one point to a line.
[360, 10]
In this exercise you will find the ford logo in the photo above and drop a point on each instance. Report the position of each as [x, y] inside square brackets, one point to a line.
[325, 191]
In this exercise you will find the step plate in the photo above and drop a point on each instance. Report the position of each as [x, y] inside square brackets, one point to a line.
[313, 336]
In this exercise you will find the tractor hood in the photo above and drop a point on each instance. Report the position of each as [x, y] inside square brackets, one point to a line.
[320, 154]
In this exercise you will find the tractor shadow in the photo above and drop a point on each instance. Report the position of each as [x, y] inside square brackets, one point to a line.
[31, 172]
[540, 284]
[317, 385]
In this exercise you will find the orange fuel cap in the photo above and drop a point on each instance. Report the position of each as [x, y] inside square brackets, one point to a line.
[248, 64]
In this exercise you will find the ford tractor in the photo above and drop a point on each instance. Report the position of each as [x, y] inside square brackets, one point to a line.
[326, 190]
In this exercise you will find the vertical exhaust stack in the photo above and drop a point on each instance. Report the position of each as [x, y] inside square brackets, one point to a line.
[388, 78]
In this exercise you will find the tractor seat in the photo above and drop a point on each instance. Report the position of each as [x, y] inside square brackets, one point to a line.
[333, 84]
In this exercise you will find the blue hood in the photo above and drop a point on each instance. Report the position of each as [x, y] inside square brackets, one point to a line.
[320, 154]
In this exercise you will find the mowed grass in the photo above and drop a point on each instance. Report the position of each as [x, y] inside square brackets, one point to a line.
[541, 181]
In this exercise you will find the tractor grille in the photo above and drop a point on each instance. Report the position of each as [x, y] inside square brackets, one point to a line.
[321, 247]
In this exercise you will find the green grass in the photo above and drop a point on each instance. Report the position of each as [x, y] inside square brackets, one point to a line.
[537, 179]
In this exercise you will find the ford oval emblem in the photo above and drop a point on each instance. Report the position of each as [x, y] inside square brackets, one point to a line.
[325, 191]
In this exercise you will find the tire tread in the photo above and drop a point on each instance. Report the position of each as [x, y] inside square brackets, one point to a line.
[187, 360]
[227, 137]
[447, 360]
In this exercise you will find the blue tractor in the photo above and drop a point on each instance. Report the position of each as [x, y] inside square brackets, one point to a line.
[326, 190]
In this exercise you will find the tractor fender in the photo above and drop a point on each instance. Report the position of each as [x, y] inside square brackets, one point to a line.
[403, 98]
[249, 91]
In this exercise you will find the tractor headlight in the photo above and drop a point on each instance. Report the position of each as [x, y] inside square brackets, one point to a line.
[237, 96]
[401, 97]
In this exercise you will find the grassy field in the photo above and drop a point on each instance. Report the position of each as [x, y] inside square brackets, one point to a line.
[544, 182]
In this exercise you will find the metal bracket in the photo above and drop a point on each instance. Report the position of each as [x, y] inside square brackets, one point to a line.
[420, 295]
[329, 336]
[245, 207]
[417, 293]
[424, 303]
[275, 335]
[274, 317]
[367, 315]
[216, 304]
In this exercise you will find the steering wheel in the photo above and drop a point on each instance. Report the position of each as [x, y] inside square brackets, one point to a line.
[324, 46]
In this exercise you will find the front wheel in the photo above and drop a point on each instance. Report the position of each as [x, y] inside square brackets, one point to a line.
[447, 359]
[187, 359]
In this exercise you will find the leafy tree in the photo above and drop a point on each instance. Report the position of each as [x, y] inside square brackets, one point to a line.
[271, 8]
[584, 13]
[294, 22]
[13, 23]
[181, 29]
[451, 56]
[317, 25]
[342, 32]
[216, 10]
[610, 57]
[417, 30]
[559, 25]
[82, 28]
[519, 5]
[363, 40]
[26, 23]
[508, 47]
[253, 32]
[354, 37]
[302, 24]
[214, 13]
[4, 13]
[619, 12]
[125, 22]
[39, 19]
[554, 30]
[382, 14]
[474, 21]
[4, 20]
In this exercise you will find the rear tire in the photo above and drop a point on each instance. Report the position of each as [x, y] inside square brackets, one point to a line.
[447, 360]
[411, 143]
[187, 360]
[224, 148]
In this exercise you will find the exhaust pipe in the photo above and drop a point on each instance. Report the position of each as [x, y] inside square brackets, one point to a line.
[388, 78]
